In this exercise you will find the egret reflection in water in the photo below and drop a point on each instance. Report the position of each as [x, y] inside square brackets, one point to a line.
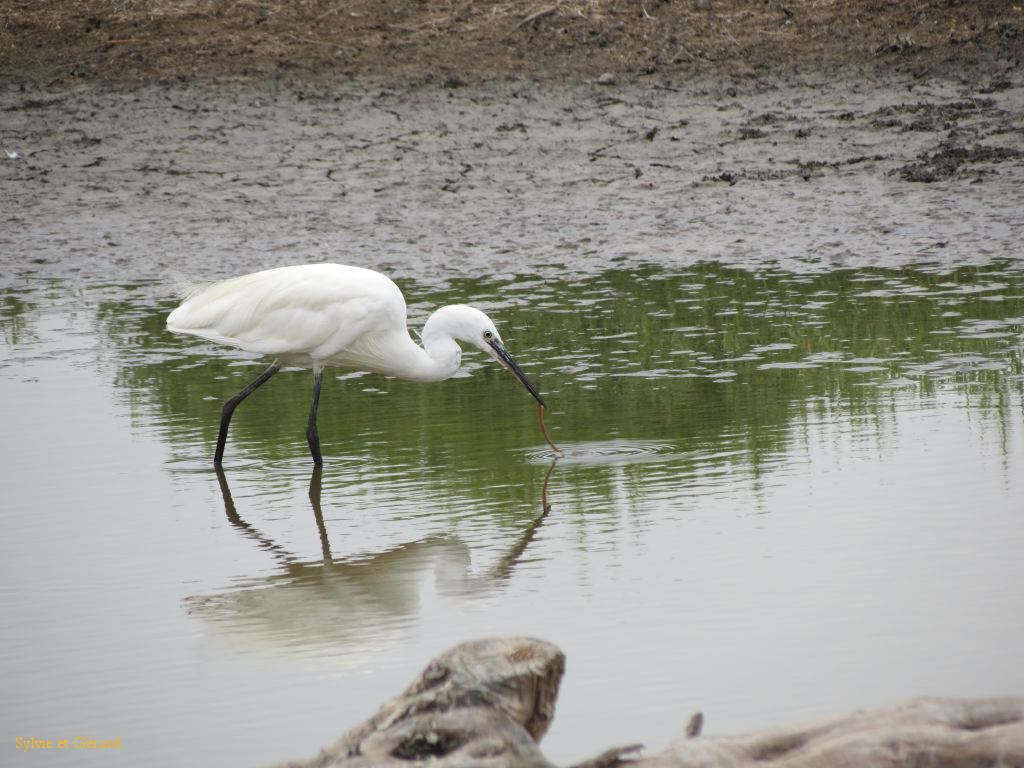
[355, 604]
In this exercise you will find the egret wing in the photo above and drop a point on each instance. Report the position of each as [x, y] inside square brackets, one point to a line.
[317, 312]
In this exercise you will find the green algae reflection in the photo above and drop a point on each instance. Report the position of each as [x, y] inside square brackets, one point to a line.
[706, 361]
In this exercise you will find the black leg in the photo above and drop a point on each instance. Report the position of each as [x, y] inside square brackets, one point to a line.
[311, 434]
[230, 405]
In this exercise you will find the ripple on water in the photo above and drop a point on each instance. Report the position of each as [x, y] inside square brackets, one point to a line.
[608, 452]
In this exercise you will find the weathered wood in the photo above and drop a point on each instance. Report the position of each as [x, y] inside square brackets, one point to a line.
[487, 703]
[937, 733]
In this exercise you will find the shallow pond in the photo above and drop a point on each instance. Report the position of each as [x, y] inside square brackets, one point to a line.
[781, 496]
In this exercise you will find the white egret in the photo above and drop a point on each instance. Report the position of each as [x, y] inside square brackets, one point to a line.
[331, 315]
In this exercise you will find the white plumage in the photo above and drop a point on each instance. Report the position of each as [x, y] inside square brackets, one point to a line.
[332, 315]
[326, 313]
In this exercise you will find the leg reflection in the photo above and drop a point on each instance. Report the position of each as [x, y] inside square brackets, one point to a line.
[315, 486]
[233, 517]
[410, 556]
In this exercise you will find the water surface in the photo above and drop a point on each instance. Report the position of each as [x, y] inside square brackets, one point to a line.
[782, 495]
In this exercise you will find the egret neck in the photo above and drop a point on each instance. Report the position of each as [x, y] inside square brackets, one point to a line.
[440, 356]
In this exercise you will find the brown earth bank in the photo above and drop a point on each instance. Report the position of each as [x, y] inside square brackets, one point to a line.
[119, 42]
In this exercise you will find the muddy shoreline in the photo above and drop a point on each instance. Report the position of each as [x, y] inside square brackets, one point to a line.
[157, 140]
[127, 43]
[151, 182]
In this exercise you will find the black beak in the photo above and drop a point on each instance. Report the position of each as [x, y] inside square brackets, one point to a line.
[506, 359]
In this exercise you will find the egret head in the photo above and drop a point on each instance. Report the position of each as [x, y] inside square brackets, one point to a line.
[474, 327]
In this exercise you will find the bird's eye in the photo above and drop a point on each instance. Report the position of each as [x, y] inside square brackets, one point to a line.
[488, 335]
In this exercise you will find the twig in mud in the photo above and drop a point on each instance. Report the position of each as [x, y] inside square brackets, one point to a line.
[682, 49]
[327, 13]
[537, 15]
[309, 40]
[599, 152]
[724, 30]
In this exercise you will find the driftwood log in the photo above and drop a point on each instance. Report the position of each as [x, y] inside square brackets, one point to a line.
[487, 703]
[483, 703]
